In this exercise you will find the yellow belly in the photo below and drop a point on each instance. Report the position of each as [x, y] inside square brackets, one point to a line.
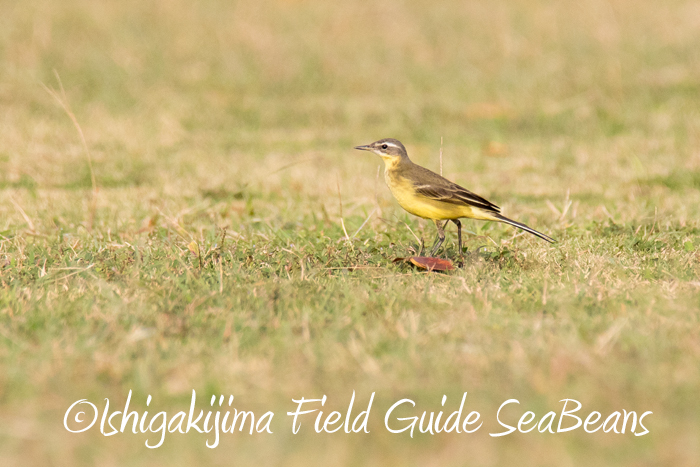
[427, 208]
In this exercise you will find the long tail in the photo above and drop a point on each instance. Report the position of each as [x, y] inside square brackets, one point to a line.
[524, 227]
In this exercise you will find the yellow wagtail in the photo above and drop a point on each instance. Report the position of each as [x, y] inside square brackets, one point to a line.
[426, 194]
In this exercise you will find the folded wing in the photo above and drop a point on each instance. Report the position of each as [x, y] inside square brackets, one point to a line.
[452, 193]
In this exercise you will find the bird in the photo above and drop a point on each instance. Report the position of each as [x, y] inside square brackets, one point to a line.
[426, 194]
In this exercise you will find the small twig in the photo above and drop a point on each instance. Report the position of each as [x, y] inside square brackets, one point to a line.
[290, 252]
[347, 237]
[63, 102]
[553, 208]
[363, 224]
[607, 213]
[35, 234]
[489, 237]
[24, 214]
[567, 205]
[340, 199]
[414, 234]
[342, 222]
[72, 273]
[174, 223]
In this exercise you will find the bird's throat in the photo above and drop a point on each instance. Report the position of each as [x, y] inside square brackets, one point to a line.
[390, 163]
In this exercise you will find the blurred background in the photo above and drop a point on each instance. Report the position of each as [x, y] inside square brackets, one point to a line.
[251, 109]
[241, 84]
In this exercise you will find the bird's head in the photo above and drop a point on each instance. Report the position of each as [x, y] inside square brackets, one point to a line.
[389, 149]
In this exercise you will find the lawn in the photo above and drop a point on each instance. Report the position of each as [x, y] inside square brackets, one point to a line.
[181, 209]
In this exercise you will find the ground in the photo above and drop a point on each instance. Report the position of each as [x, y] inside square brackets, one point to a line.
[216, 232]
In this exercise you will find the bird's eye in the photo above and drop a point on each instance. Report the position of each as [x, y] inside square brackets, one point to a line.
[384, 146]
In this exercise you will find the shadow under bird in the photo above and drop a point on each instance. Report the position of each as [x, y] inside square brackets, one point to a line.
[426, 194]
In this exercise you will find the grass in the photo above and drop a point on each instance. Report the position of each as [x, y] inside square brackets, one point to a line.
[213, 256]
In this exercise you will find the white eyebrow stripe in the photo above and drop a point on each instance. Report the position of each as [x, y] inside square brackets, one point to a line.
[391, 144]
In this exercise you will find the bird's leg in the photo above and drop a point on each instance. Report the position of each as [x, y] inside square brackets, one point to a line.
[459, 234]
[440, 238]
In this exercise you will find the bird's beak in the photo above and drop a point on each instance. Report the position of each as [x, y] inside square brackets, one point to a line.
[363, 148]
